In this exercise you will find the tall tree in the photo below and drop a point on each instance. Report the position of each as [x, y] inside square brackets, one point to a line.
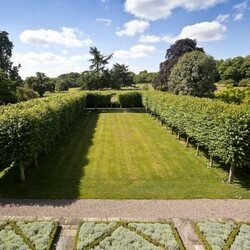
[6, 47]
[121, 76]
[193, 74]
[38, 83]
[99, 61]
[175, 51]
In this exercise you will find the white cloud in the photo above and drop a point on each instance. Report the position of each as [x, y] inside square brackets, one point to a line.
[69, 37]
[202, 32]
[137, 51]
[240, 10]
[65, 52]
[133, 27]
[105, 21]
[49, 63]
[222, 18]
[158, 9]
[149, 39]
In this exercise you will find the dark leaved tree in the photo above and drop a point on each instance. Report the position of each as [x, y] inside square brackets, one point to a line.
[175, 51]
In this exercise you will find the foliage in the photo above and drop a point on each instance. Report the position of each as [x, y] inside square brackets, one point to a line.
[39, 233]
[193, 74]
[221, 128]
[121, 76]
[159, 232]
[131, 99]
[175, 51]
[98, 100]
[99, 61]
[6, 47]
[242, 240]
[234, 69]
[123, 238]
[90, 80]
[40, 83]
[25, 94]
[7, 94]
[244, 82]
[30, 128]
[145, 77]
[71, 78]
[91, 231]
[145, 87]
[10, 240]
[228, 82]
[234, 95]
[27, 234]
[215, 234]
[62, 85]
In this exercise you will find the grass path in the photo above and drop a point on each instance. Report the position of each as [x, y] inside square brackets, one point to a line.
[121, 156]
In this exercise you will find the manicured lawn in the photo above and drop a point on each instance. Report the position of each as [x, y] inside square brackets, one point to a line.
[120, 155]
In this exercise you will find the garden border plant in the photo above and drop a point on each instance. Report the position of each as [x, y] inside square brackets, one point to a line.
[126, 225]
[17, 230]
[228, 242]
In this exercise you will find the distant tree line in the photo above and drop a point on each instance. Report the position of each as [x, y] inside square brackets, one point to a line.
[235, 71]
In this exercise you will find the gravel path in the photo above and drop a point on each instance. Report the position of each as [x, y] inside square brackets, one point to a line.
[128, 209]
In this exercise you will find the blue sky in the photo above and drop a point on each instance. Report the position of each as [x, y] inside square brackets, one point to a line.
[54, 36]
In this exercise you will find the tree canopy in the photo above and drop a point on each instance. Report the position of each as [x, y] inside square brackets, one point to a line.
[99, 61]
[234, 69]
[193, 74]
[175, 51]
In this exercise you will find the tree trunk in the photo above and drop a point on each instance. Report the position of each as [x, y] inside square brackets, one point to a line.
[172, 132]
[187, 141]
[162, 122]
[231, 172]
[179, 135]
[198, 150]
[22, 173]
[211, 164]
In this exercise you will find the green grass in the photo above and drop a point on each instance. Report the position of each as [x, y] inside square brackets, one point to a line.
[120, 155]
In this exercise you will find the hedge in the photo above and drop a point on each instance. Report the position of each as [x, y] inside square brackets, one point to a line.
[223, 129]
[130, 99]
[30, 128]
[98, 99]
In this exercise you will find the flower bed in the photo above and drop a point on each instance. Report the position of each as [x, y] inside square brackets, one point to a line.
[121, 235]
[214, 235]
[242, 240]
[27, 234]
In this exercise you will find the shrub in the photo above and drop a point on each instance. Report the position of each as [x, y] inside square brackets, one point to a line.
[231, 95]
[25, 94]
[98, 100]
[229, 82]
[130, 99]
[244, 82]
[62, 85]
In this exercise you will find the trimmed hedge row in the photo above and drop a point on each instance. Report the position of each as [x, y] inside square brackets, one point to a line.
[130, 99]
[223, 129]
[98, 100]
[30, 128]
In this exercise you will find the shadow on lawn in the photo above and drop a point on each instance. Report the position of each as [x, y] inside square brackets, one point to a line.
[59, 174]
